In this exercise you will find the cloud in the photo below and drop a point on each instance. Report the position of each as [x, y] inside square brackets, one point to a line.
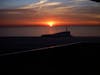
[40, 4]
[52, 4]
[42, 1]
[17, 14]
[71, 10]
[34, 5]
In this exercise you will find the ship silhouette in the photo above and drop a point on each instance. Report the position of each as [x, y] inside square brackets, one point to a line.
[60, 34]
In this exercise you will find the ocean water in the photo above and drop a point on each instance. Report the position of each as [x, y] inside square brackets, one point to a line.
[29, 31]
[42, 30]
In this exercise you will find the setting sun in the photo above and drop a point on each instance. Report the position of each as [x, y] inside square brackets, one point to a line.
[51, 23]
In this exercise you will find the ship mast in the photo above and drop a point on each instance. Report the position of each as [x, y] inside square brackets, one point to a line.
[66, 28]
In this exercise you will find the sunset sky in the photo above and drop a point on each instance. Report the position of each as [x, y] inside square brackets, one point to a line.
[38, 12]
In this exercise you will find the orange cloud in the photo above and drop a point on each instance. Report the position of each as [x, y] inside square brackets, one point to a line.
[43, 11]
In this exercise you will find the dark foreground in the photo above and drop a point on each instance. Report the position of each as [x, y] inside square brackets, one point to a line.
[80, 58]
[15, 44]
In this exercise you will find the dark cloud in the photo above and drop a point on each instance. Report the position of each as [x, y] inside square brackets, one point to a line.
[96, 0]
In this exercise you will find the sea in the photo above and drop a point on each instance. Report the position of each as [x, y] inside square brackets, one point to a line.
[32, 31]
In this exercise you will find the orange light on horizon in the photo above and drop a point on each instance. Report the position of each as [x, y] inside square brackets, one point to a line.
[51, 23]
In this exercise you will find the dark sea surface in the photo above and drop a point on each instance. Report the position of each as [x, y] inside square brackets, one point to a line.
[41, 30]
[29, 31]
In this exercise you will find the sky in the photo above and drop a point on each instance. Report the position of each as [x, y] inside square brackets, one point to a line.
[38, 12]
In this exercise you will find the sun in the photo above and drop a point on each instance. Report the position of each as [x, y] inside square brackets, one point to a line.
[51, 23]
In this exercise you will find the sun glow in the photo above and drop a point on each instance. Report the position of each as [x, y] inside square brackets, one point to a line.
[51, 23]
